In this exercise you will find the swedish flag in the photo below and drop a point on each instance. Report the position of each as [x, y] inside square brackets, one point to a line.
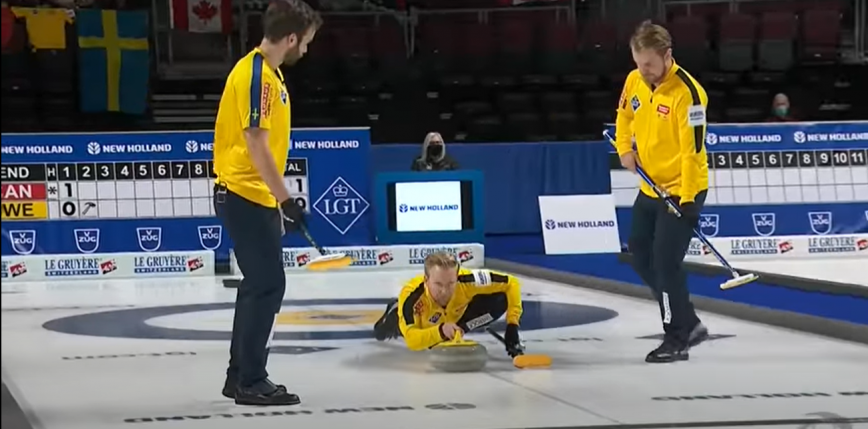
[114, 60]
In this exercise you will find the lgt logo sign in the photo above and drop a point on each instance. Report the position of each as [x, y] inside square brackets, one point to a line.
[341, 205]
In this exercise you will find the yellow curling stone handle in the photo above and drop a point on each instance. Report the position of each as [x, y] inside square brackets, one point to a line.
[458, 341]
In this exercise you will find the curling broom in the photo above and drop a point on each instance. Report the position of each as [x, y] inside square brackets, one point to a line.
[737, 279]
[523, 360]
[324, 262]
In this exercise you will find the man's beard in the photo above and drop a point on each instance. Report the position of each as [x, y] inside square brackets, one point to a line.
[292, 56]
[653, 79]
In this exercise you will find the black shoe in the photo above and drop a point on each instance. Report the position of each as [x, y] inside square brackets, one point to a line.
[229, 386]
[265, 393]
[387, 327]
[698, 335]
[669, 351]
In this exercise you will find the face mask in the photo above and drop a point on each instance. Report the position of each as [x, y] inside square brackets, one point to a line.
[435, 151]
[781, 111]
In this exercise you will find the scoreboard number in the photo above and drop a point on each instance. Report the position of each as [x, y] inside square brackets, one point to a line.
[295, 177]
[68, 208]
[756, 160]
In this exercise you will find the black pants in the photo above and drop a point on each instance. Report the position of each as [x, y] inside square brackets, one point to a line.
[255, 231]
[482, 311]
[659, 241]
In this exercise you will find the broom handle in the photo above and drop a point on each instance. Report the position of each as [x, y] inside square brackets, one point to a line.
[306, 233]
[502, 340]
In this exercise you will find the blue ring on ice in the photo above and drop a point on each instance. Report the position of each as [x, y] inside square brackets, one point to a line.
[132, 323]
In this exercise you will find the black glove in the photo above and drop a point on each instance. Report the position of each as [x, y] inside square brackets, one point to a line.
[690, 213]
[689, 210]
[513, 342]
[293, 215]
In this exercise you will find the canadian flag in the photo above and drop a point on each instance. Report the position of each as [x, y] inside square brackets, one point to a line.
[202, 16]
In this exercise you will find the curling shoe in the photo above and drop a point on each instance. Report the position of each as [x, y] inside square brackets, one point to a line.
[669, 351]
[265, 393]
[230, 386]
[698, 335]
[387, 327]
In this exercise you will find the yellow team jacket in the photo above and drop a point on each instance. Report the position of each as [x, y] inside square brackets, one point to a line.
[255, 96]
[420, 317]
[669, 125]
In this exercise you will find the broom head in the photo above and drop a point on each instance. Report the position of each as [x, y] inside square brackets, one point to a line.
[738, 281]
[330, 262]
[532, 361]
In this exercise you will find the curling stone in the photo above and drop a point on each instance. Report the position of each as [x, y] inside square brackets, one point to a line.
[459, 355]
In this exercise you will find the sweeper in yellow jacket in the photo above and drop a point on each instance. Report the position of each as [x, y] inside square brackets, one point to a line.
[447, 299]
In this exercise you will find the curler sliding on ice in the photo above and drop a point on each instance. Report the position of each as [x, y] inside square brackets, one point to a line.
[435, 310]
[737, 278]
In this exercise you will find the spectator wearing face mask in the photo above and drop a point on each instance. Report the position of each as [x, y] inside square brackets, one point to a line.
[781, 109]
[433, 156]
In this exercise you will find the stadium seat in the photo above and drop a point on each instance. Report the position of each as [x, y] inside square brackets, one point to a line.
[487, 128]
[476, 47]
[598, 47]
[737, 40]
[522, 126]
[777, 41]
[516, 45]
[558, 101]
[564, 125]
[559, 54]
[515, 102]
[352, 111]
[691, 45]
[353, 48]
[821, 30]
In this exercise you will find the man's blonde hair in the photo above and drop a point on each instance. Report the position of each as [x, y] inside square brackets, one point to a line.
[441, 260]
[651, 36]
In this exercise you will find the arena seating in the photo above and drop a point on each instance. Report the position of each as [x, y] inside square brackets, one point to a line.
[475, 74]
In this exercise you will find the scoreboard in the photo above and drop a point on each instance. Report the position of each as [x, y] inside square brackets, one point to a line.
[133, 192]
[122, 190]
[777, 179]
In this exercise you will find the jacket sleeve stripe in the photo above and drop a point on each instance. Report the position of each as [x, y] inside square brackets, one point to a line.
[499, 278]
[256, 91]
[698, 132]
[412, 299]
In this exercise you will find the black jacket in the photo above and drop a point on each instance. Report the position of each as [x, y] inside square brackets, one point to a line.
[446, 163]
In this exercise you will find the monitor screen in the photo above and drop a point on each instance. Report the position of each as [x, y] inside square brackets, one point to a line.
[430, 206]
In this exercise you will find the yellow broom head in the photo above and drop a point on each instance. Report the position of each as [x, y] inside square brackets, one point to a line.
[330, 262]
[532, 361]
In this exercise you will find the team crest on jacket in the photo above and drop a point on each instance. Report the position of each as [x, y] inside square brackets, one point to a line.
[634, 102]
